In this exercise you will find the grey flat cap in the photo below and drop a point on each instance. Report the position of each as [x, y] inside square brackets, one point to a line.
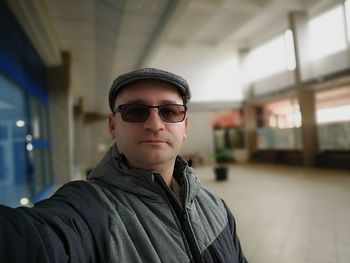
[148, 73]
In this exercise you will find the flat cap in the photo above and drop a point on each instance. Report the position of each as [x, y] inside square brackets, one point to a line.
[145, 74]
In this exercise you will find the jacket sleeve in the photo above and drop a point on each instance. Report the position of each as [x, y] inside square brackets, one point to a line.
[19, 239]
[237, 244]
[72, 225]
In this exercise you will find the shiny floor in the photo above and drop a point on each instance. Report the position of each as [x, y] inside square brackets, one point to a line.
[287, 214]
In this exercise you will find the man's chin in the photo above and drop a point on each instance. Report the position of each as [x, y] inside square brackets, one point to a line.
[153, 159]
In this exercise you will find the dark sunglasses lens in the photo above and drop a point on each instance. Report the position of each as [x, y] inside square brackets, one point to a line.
[172, 113]
[134, 113]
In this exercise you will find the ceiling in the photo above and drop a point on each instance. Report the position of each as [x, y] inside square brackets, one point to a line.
[109, 37]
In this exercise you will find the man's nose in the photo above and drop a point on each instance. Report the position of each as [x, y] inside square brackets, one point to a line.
[154, 122]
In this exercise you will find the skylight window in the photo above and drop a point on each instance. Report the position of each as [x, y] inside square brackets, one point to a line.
[327, 33]
[272, 57]
[347, 17]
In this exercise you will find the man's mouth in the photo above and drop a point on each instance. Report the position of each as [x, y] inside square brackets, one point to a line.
[154, 141]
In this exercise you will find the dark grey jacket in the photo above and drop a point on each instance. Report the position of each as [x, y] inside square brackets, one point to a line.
[123, 215]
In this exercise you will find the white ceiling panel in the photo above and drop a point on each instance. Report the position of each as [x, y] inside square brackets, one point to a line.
[146, 7]
[128, 55]
[78, 44]
[139, 25]
[131, 41]
[108, 16]
[76, 9]
[106, 35]
[221, 26]
[113, 4]
[70, 28]
[187, 29]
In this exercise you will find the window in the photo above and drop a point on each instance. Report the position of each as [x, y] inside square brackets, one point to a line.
[274, 56]
[327, 33]
[283, 114]
[333, 119]
[39, 119]
[333, 106]
[347, 17]
[41, 147]
[281, 121]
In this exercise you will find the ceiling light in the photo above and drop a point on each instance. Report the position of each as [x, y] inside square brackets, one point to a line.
[24, 201]
[29, 147]
[20, 123]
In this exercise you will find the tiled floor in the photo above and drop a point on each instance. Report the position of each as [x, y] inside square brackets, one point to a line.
[288, 214]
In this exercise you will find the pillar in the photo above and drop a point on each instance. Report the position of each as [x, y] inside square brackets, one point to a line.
[61, 120]
[250, 126]
[308, 125]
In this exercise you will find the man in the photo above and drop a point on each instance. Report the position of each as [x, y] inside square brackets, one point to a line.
[142, 203]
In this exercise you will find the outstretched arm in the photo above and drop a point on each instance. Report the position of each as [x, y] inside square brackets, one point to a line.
[71, 226]
[19, 239]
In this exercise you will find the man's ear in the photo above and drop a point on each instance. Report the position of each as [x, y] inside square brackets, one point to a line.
[186, 126]
[111, 126]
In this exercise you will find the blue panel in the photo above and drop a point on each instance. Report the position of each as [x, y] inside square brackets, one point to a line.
[41, 144]
[19, 163]
[2, 163]
[12, 102]
[3, 133]
[18, 59]
[18, 132]
[45, 193]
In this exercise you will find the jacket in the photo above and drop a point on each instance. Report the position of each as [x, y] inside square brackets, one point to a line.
[131, 215]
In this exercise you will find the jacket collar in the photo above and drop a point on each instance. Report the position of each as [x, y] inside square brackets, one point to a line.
[114, 172]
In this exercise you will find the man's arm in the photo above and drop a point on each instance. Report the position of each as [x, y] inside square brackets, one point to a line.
[19, 240]
[72, 225]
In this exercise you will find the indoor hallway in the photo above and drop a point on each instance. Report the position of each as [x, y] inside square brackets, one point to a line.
[288, 214]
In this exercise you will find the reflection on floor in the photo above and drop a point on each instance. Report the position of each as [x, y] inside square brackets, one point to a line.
[287, 214]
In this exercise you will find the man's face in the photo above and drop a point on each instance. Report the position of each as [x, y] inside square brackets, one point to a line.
[152, 143]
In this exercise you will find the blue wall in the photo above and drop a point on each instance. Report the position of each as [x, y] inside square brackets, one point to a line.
[18, 59]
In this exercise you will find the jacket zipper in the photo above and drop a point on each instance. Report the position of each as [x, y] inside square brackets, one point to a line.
[197, 256]
[183, 217]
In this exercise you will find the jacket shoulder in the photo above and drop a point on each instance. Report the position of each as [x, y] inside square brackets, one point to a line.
[73, 223]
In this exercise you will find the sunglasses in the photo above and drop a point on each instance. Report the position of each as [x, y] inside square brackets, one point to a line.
[136, 113]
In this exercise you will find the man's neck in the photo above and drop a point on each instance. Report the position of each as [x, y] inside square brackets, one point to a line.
[166, 173]
[165, 170]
